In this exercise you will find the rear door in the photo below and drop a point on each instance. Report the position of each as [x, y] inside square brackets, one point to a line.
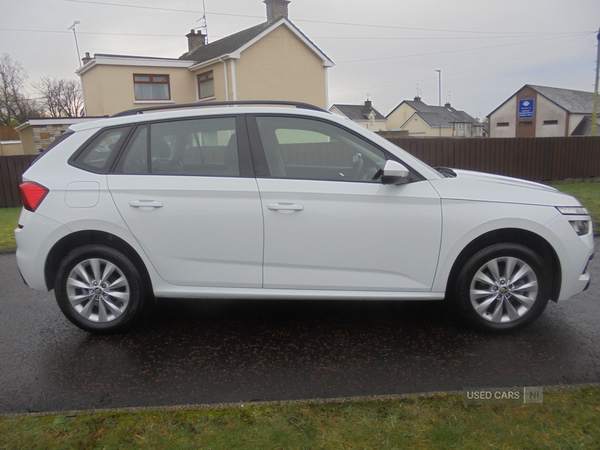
[187, 192]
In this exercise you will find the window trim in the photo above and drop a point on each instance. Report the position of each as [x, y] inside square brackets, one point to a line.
[261, 166]
[245, 159]
[210, 77]
[151, 76]
[74, 159]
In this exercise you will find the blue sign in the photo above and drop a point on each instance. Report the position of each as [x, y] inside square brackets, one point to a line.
[526, 108]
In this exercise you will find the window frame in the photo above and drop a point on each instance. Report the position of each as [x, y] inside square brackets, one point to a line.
[245, 163]
[261, 166]
[210, 77]
[151, 82]
[76, 160]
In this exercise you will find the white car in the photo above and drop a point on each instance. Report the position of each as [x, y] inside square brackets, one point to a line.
[280, 202]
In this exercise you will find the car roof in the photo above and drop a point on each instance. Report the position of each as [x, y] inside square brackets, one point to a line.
[193, 112]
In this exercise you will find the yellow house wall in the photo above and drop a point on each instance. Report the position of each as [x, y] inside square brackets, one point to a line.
[219, 77]
[10, 148]
[399, 117]
[281, 67]
[109, 89]
[28, 141]
[418, 127]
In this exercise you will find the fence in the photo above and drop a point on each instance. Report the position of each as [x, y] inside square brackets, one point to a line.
[8, 133]
[11, 169]
[536, 159]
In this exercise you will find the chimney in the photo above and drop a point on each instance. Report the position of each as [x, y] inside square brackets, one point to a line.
[276, 9]
[447, 105]
[417, 98]
[195, 40]
[87, 58]
[368, 104]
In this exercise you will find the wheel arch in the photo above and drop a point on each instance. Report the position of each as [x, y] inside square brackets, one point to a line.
[522, 237]
[62, 248]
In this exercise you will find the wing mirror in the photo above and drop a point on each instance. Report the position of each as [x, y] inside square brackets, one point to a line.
[394, 173]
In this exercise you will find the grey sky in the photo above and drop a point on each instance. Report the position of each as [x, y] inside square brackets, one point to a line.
[386, 49]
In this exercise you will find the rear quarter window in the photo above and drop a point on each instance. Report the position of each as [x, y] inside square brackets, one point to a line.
[98, 154]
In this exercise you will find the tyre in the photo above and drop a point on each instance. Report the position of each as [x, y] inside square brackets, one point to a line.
[99, 289]
[502, 288]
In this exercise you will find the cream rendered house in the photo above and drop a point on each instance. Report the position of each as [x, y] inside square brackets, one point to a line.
[421, 120]
[271, 61]
[365, 115]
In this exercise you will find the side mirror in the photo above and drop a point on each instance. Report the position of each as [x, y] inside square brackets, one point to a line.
[394, 172]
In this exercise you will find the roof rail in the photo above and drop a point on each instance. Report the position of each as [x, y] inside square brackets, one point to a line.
[299, 105]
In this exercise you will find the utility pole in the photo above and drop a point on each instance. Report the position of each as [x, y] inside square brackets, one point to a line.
[595, 114]
[439, 71]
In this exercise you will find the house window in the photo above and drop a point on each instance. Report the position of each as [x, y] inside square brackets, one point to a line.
[151, 87]
[502, 124]
[206, 85]
[550, 122]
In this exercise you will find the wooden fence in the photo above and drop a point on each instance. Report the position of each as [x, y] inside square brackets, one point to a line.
[536, 159]
[11, 169]
[8, 133]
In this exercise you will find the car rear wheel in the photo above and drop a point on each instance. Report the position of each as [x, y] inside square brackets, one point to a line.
[503, 287]
[99, 289]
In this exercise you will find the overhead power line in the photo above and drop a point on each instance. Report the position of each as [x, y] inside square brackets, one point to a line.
[391, 27]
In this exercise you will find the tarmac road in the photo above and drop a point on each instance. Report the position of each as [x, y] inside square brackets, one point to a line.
[202, 352]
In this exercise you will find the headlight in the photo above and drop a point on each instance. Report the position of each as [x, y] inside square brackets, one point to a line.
[573, 210]
[581, 227]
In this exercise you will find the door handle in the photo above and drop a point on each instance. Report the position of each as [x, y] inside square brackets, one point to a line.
[285, 207]
[145, 205]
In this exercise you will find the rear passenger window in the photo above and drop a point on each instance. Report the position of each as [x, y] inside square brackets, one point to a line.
[202, 147]
[98, 155]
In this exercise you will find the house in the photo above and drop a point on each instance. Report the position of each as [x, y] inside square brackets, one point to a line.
[540, 111]
[422, 120]
[364, 115]
[270, 61]
[38, 134]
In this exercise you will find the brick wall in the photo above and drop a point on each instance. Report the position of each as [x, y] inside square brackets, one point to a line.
[43, 136]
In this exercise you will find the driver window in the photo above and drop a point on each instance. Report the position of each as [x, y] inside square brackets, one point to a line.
[309, 149]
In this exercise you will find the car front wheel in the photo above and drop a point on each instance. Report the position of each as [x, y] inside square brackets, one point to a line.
[99, 289]
[503, 287]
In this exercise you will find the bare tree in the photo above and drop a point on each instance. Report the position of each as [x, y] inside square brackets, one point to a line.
[60, 97]
[15, 107]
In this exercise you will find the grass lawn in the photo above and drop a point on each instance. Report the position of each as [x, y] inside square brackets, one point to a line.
[588, 194]
[8, 222]
[566, 420]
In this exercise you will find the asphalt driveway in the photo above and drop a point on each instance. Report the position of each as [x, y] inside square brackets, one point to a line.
[215, 351]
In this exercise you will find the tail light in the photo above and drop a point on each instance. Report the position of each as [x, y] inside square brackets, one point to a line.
[32, 195]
